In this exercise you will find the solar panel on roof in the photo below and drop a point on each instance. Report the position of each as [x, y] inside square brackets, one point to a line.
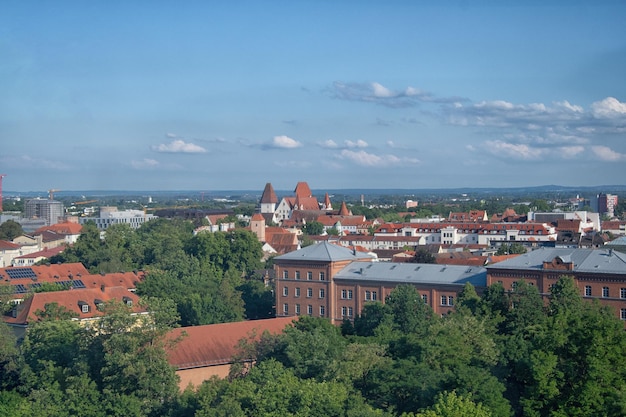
[20, 289]
[78, 283]
[18, 273]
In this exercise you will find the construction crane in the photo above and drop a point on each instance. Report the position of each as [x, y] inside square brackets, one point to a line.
[76, 203]
[51, 193]
[1, 176]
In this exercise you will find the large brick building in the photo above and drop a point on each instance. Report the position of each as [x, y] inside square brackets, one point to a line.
[326, 280]
[599, 273]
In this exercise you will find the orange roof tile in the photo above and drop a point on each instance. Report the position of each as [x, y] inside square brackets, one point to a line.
[216, 344]
[71, 300]
[65, 228]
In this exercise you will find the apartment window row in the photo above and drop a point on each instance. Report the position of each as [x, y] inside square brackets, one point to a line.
[605, 292]
[447, 300]
[309, 310]
[371, 296]
[309, 275]
[346, 311]
[309, 292]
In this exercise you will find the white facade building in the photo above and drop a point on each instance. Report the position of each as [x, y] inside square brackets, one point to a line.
[111, 215]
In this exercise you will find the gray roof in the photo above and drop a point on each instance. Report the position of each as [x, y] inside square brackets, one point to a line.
[323, 251]
[603, 261]
[409, 273]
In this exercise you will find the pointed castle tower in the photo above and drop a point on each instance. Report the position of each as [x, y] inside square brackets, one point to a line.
[268, 200]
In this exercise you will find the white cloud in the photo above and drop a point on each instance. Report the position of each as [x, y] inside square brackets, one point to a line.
[179, 146]
[607, 154]
[571, 151]
[330, 144]
[375, 92]
[373, 160]
[609, 108]
[382, 91]
[285, 142]
[513, 150]
[171, 135]
[145, 163]
[358, 144]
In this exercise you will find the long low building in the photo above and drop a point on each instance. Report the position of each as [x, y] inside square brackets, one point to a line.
[599, 273]
[327, 280]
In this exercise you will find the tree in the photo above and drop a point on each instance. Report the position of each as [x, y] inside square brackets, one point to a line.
[512, 249]
[9, 230]
[313, 228]
[422, 256]
[449, 404]
[410, 313]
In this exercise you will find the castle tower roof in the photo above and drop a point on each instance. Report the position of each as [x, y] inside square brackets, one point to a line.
[269, 196]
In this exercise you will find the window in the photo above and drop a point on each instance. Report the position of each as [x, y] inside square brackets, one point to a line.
[322, 276]
[425, 298]
[344, 311]
[285, 274]
[344, 294]
[84, 308]
[297, 274]
[309, 275]
[622, 293]
[444, 300]
[309, 292]
[605, 291]
[350, 311]
[309, 310]
[368, 295]
[286, 308]
[623, 314]
[322, 311]
[322, 293]
[298, 309]
[451, 301]
[349, 294]
[374, 296]
[297, 294]
[285, 291]
[587, 290]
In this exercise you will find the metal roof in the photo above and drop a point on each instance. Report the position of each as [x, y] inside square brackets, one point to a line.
[410, 273]
[604, 261]
[323, 251]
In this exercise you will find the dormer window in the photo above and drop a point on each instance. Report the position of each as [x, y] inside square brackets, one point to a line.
[84, 307]
[128, 301]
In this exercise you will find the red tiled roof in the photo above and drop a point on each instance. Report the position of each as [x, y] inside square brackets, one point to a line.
[71, 300]
[344, 209]
[63, 272]
[65, 228]
[5, 245]
[256, 217]
[269, 196]
[302, 190]
[46, 253]
[216, 344]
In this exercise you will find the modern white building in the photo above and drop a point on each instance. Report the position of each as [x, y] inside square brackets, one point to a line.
[111, 215]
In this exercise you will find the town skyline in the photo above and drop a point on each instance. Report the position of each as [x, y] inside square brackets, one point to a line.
[345, 96]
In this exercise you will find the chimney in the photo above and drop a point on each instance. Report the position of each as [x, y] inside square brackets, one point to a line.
[102, 287]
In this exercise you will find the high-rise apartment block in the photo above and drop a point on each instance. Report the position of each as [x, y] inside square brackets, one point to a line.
[42, 208]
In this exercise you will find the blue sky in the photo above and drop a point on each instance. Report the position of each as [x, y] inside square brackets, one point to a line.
[163, 95]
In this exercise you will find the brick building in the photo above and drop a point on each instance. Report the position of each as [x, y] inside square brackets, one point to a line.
[326, 280]
[599, 273]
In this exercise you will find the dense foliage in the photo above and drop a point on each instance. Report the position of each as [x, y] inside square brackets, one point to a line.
[501, 353]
